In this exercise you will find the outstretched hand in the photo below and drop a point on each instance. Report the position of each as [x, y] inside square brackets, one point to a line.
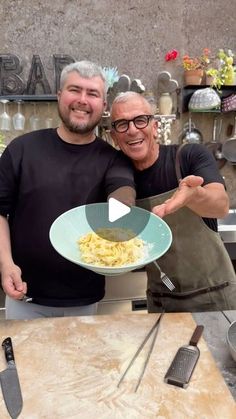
[182, 196]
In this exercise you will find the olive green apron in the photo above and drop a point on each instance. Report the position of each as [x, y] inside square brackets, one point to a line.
[197, 263]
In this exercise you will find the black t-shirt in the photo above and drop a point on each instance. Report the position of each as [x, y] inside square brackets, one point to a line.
[41, 176]
[195, 159]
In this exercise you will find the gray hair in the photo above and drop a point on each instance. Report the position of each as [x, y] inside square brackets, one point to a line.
[85, 69]
[125, 96]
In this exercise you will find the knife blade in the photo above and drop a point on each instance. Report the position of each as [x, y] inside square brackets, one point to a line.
[10, 382]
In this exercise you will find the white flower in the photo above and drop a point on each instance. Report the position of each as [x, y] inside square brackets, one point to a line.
[111, 74]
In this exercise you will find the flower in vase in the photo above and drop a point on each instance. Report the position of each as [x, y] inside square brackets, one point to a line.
[196, 63]
[223, 73]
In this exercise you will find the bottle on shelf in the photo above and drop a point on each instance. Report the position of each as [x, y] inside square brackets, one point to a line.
[165, 104]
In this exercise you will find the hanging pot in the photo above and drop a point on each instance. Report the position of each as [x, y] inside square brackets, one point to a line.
[191, 134]
[229, 147]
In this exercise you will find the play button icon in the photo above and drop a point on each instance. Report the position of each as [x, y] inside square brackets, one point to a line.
[113, 214]
[116, 210]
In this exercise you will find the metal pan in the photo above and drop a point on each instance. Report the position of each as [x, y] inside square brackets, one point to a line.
[191, 134]
[231, 339]
[229, 147]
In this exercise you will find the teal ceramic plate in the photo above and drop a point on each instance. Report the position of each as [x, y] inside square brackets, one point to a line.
[71, 225]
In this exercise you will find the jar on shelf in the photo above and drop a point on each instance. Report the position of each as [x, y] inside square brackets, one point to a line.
[165, 104]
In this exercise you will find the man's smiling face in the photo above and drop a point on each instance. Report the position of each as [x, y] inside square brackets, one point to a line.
[137, 143]
[81, 103]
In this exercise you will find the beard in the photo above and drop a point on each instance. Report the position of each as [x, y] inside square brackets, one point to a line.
[78, 127]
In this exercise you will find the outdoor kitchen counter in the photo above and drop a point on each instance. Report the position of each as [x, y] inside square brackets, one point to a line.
[70, 367]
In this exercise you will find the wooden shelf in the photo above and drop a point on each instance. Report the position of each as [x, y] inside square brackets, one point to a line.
[159, 117]
[205, 111]
[30, 98]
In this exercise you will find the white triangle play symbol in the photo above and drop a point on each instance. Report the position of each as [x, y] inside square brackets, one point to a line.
[116, 209]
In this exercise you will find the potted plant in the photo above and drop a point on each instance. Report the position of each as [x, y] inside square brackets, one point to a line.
[224, 72]
[194, 67]
[212, 78]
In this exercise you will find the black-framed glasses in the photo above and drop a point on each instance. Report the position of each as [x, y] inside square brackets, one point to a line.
[140, 122]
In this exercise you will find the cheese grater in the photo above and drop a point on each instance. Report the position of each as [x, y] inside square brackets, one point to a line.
[184, 362]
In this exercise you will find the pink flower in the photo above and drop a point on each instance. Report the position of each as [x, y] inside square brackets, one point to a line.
[171, 55]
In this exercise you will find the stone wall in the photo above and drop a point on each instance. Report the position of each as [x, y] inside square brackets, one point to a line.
[132, 35]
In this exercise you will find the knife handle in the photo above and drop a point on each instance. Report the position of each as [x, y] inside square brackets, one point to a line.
[196, 335]
[8, 348]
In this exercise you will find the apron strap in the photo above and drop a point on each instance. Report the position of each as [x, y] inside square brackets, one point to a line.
[187, 294]
[177, 163]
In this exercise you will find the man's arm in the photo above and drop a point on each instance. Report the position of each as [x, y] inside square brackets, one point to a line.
[124, 194]
[209, 201]
[10, 273]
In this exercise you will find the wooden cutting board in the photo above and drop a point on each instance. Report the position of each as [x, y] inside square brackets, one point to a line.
[70, 367]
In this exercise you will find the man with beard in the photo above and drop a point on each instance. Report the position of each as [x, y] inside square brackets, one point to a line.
[43, 174]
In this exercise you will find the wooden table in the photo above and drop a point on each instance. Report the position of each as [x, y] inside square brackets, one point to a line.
[70, 368]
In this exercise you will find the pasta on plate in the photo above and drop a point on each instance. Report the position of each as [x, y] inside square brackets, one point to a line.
[111, 247]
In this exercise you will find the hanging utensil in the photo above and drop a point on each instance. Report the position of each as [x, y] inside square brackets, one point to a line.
[190, 133]
[215, 146]
[229, 147]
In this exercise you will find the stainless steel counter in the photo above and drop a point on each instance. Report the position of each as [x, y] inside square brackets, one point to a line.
[124, 293]
[216, 326]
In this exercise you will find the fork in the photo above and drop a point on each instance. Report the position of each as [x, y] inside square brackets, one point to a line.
[165, 279]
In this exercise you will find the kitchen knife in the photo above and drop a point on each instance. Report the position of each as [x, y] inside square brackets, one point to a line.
[10, 382]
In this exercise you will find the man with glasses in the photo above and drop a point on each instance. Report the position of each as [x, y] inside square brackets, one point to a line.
[183, 185]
